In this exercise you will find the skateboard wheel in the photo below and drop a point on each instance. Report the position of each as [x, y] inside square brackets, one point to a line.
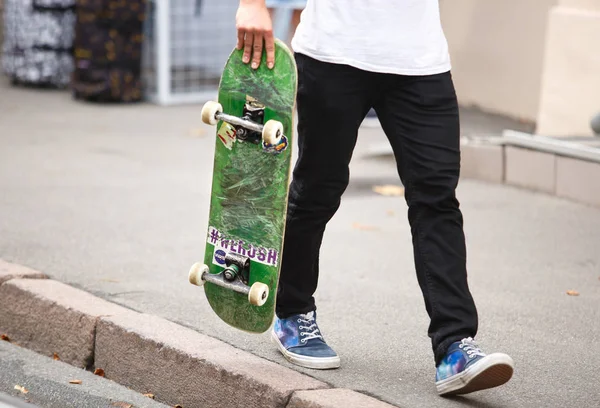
[258, 295]
[209, 110]
[272, 132]
[196, 272]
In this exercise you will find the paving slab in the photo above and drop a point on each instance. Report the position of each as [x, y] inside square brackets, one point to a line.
[578, 180]
[530, 169]
[334, 398]
[482, 162]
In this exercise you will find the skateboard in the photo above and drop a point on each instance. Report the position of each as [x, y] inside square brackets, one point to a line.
[251, 173]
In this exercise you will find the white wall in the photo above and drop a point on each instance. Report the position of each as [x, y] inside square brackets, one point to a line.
[497, 50]
[570, 94]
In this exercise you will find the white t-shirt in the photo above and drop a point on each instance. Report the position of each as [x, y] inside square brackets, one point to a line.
[390, 36]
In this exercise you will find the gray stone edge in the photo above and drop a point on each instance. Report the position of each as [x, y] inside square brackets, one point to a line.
[476, 166]
[360, 396]
[16, 271]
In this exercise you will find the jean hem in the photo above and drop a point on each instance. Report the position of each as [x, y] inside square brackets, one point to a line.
[292, 312]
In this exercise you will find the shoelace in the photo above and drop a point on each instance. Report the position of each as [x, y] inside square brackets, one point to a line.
[471, 348]
[305, 332]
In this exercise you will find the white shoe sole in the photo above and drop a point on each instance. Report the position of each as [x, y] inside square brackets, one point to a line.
[492, 371]
[317, 363]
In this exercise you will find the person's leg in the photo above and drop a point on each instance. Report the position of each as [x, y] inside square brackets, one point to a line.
[420, 117]
[332, 101]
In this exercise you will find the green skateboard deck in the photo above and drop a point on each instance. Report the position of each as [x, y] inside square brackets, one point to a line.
[254, 130]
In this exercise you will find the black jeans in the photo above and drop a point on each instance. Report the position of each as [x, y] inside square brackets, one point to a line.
[419, 115]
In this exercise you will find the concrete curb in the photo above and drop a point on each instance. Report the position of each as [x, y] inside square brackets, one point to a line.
[561, 168]
[572, 178]
[152, 355]
[10, 271]
[50, 317]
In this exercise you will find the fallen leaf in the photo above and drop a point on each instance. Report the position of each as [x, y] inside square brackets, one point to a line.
[363, 227]
[389, 190]
[99, 372]
[22, 389]
[572, 293]
[4, 337]
[149, 395]
[121, 404]
[197, 132]
[75, 382]
[56, 357]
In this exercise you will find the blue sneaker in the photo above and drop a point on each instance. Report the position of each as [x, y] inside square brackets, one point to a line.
[300, 341]
[465, 368]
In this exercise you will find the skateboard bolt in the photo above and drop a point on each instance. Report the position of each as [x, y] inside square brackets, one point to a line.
[229, 274]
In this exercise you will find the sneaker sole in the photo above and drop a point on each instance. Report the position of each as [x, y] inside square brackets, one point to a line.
[495, 370]
[306, 362]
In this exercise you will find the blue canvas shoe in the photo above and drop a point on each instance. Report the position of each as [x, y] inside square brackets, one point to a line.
[465, 368]
[300, 341]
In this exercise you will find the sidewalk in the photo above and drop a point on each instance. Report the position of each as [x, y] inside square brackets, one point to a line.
[113, 200]
[47, 384]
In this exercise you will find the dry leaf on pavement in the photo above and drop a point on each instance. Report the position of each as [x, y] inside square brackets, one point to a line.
[75, 382]
[99, 372]
[4, 337]
[389, 190]
[149, 395]
[199, 132]
[572, 293]
[56, 357]
[22, 389]
[120, 404]
[363, 227]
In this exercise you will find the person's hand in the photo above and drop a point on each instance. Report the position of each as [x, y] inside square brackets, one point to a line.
[254, 27]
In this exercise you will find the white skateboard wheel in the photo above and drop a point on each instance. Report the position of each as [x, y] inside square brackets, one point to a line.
[197, 271]
[209, 111]
[272, 132]
[258, 295]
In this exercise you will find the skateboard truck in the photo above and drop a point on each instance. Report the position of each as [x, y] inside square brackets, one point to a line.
[253, 112]
[236, 266]
[234, 277]
[272, 131]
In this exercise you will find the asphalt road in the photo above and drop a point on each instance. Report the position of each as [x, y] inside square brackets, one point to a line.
[45, 383]
[114, 200]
